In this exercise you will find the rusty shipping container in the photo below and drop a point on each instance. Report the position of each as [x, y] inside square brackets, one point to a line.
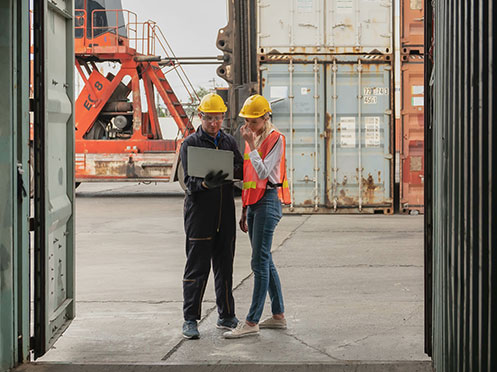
[410, 129]
[335, 112]
[324, 26]
[412, 26]
[412, 136]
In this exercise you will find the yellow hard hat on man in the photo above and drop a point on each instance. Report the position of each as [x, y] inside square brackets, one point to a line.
[211, 103]
[254, 107]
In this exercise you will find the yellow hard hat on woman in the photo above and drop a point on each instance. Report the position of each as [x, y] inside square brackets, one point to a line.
[254, 107]
[212, 102]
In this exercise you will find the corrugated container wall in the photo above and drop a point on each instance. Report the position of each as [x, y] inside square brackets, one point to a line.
[461, 208]
[335, 112]
[325, 26]
[412, 133]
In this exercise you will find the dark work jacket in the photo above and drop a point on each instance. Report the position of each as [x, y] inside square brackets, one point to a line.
[208, 211]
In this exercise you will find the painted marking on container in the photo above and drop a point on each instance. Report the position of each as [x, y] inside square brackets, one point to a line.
[344, 6]
[304, 91]
[306, 140]
[305, 6]
[278, 92]
[372, 125]
[376, 91]
[347, 131]
[416, 164]
[416, 4]
[418, 101]
[370, 100]
[418, 89]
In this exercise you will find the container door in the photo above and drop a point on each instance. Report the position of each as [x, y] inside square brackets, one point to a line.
[360, 160]
[14, 184]
[298, 92]
[412, 150]
[359, 26]
[291, 26]
[54, 172]
[412, 25]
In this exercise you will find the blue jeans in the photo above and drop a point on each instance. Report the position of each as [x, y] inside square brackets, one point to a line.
[262, 218]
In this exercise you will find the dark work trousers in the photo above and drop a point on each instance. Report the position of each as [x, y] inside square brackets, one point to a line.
[219, 249]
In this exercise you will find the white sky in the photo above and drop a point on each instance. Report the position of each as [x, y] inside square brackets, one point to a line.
[190, 27]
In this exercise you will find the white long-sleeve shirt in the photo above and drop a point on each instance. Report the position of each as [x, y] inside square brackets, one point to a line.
[269, 167]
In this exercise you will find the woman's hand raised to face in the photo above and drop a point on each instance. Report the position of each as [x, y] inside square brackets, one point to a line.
[248, 136]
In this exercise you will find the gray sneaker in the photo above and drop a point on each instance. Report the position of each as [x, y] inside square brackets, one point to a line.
[242, 330]
[273, 323]
[227, 323]
[190, 330]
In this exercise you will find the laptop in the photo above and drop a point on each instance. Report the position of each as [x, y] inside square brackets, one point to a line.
[202, 160]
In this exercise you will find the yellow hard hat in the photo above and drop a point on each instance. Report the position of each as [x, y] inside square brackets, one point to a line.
[212, 102]
[254, 107]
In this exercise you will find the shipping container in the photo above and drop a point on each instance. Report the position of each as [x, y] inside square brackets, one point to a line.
[335, 112]
[412, 25]
[412, 137]
[324, 26]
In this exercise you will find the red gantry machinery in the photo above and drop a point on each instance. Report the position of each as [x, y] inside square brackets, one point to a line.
[115, 139]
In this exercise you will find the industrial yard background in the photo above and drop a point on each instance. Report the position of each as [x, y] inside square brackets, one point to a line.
[387, 107]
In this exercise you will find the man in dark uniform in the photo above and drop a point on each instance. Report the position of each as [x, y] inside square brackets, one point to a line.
[209, 214]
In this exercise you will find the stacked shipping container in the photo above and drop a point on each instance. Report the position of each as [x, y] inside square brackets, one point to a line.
[411, 125]
[326, 65]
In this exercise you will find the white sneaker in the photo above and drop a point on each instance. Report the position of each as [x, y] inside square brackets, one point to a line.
[273, 323]
[242, 330]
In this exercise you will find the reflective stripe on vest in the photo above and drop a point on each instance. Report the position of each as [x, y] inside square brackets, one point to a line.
[253, 187]
[249, 185]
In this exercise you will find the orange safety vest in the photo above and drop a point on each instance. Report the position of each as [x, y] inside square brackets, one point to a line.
[253, 187]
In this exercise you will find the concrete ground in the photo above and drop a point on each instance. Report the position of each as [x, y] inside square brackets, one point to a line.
[353, 288]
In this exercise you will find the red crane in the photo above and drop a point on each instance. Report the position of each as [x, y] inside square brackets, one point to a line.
[115, 138]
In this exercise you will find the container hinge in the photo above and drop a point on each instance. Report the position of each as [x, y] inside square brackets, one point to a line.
[388, 112]
[31, 104]
[389, 156]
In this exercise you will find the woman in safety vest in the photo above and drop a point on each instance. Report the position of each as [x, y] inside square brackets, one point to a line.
[265, 187]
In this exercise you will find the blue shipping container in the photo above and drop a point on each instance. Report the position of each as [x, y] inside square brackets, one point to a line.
[338, 111]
